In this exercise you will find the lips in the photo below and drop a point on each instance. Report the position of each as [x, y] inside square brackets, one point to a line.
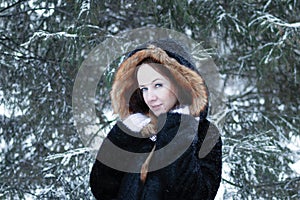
[155, 107]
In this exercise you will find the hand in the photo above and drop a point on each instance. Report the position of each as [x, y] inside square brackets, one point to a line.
[136, 122]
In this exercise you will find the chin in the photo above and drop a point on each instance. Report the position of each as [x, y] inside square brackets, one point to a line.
[159, 113]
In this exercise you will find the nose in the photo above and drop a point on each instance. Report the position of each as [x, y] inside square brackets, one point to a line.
[151, 96]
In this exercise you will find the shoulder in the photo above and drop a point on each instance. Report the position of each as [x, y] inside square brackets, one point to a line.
[176, 119]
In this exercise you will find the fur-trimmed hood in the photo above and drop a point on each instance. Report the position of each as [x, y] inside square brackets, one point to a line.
[176, 59]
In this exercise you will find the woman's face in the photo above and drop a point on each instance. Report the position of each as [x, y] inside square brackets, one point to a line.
[158, 92]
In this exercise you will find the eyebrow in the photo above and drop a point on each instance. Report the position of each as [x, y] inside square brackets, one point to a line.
[151, 82]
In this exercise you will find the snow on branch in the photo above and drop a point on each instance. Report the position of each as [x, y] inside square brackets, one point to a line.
[85, 6]
[66, 156]
[46, 35]
[265, 18]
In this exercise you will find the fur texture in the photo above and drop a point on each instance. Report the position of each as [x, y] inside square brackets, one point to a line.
[187, 178]
[125, 81]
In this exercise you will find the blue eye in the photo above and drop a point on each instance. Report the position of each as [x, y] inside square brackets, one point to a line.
[157, 85]
[143, 89]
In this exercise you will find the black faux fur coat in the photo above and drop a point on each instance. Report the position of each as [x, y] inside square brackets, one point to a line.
[189, 177]
[187, 160]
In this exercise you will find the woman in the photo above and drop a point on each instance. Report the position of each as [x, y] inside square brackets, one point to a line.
[162, 102]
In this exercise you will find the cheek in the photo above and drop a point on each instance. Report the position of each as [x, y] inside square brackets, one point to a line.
[163, 94]
[145, 99]
[174, 99]
[171, 98]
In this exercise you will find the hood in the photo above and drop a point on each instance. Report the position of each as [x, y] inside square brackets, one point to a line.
[176, 59]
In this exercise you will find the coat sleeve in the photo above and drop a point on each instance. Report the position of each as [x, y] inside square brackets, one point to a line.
[106, 179]
[190, 177]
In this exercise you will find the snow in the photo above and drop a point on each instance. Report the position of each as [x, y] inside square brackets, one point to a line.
[294, 146]
[295, 166]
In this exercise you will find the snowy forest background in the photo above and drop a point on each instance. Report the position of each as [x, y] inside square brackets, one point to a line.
[255, 45]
